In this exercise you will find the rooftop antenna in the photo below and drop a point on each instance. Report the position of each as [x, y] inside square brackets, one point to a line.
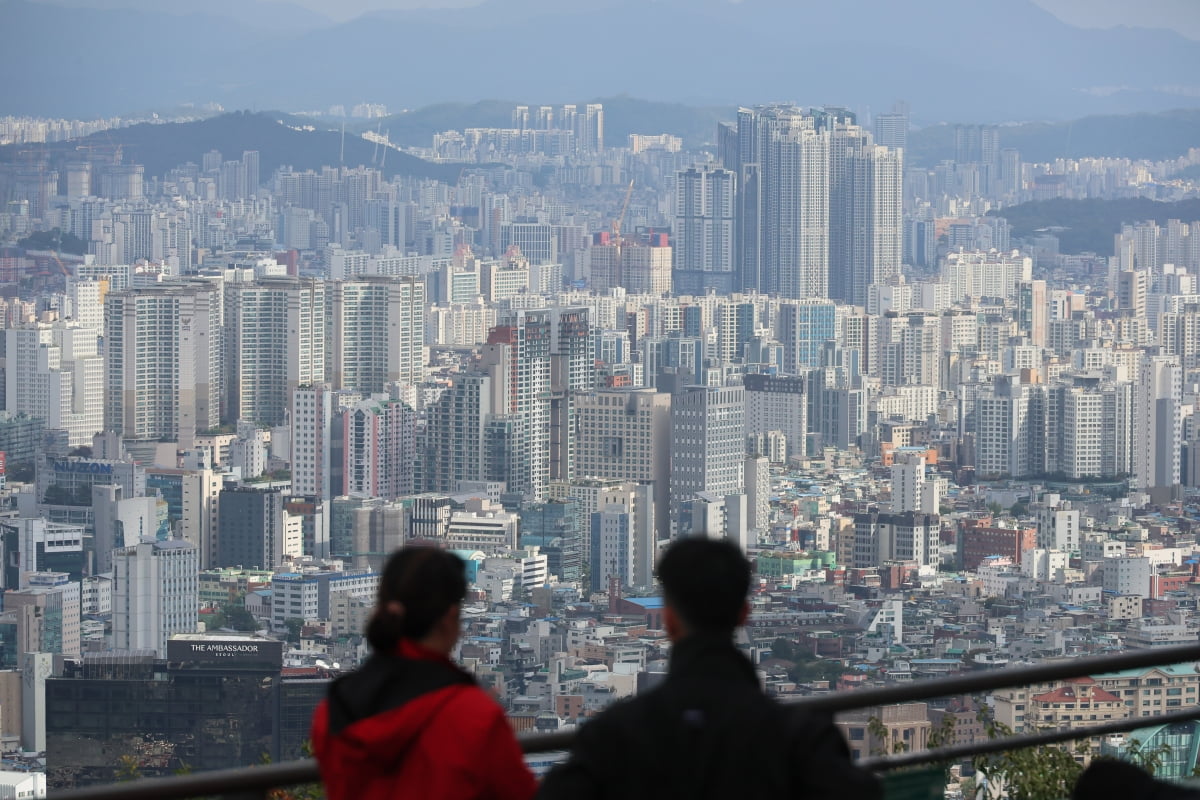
[342, 153]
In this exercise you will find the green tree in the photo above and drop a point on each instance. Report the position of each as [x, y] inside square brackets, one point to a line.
[784, 648]
[128, 769]
[294, 625]
[1045, 772]
[880, 732]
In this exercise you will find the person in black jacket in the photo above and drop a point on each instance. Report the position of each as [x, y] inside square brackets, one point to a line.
[708, 730]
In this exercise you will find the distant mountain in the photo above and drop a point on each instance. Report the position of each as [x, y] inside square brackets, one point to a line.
[986, 60]
[162, 147]
[1154, 136]
[276, 16]
[1089, 225]
[622, 116]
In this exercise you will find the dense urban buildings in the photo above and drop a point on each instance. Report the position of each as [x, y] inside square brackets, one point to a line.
[946, 442]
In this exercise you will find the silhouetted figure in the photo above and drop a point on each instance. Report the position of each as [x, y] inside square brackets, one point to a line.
[410, 723]
[708, 730]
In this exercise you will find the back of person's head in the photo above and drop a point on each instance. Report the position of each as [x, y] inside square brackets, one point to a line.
[425, 583]
[705, 582]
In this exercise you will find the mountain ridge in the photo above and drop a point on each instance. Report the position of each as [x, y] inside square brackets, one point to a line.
[943, 60]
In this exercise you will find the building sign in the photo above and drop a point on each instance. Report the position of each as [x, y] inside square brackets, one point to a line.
[91, 467]
[256, 651]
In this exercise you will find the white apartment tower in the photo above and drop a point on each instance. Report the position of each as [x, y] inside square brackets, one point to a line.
[378, 333]
[275, 336]
[908, 482]
[164, 354]
[1157, 423]
[56, 373]
[865, 213]
[312, 420]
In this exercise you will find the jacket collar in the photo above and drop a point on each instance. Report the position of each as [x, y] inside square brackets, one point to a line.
[412, 650]
[710, 656]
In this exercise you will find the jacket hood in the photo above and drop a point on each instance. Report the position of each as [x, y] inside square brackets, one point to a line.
[379, 712]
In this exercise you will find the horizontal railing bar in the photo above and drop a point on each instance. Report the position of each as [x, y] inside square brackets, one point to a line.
[239, 780]
[998, 679]
[959, 752]
[305, 771]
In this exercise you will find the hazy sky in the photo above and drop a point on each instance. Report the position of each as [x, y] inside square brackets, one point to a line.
[1179, 15]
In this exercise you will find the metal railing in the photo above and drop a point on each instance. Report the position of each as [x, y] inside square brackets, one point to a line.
[254, 783]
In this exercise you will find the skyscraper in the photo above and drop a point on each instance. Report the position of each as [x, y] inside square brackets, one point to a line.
[521, 347]
[705, 200]
[866, 238]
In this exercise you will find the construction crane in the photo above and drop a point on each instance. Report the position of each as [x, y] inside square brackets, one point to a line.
[620, 220]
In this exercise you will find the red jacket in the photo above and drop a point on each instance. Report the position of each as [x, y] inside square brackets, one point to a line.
[415, 725]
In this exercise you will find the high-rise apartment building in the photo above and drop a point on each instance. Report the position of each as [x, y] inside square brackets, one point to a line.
[380, 449]
[520, 346]
[314, 414]
[275, 334]
[1010, 429]
[378, 333]
[55, 372]
[866, 240]
[1157, 423]
[163, 346]
[704, 255]
[455, 431]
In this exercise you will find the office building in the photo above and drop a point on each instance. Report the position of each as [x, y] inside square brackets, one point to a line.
[708, 443]
[55, 600]
[255, 529]
[625, 434]
[207, 703]
[155, 594]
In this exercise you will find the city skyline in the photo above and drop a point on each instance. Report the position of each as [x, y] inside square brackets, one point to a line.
[937, 382]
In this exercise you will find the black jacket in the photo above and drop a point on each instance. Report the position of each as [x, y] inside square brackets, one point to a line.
[708, 731]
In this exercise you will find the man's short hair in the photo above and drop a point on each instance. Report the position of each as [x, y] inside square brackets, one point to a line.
[705, 581]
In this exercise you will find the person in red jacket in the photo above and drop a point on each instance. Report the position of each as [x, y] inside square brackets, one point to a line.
[410, 723]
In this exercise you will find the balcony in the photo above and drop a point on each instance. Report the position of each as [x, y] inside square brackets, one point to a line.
[257, 783]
